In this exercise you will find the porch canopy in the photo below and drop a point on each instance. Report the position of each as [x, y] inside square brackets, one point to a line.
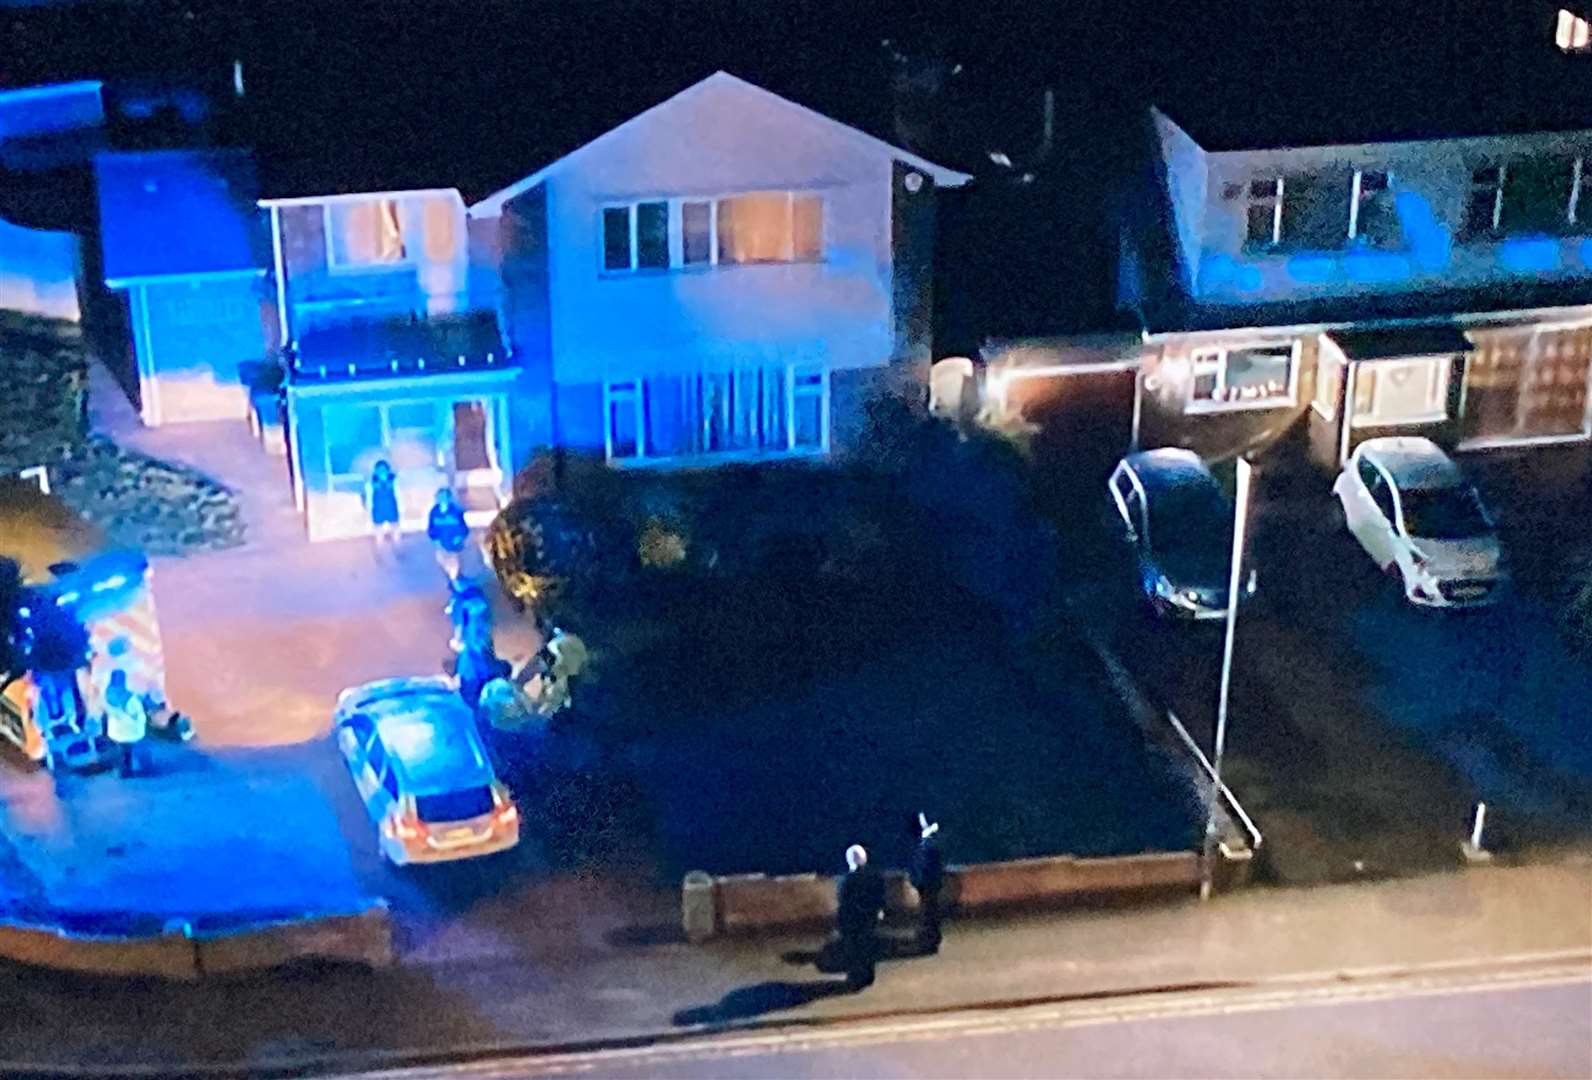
[377, 348]
[1437, 339]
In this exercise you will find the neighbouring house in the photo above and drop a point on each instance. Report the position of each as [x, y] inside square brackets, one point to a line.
[182, 240]
[392, 352]
[40, 266]
[727, 276]
[1306, 295]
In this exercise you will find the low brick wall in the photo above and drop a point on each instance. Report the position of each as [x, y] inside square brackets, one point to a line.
[362, 937]
[752, 902]
[359, 937]
[169, 955]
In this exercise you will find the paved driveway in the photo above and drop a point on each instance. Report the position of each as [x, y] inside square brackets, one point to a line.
[1364, 731]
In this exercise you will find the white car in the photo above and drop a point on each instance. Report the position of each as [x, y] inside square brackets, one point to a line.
[1414, 512]
[422, 771]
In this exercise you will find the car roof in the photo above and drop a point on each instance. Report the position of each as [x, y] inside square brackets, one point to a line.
[427, 729]
[1412, 462]
[1168, 467]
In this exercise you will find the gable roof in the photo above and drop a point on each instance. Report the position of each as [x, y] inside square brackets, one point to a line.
[178, 213]
[493, 204]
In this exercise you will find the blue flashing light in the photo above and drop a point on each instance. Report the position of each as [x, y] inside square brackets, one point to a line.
[1530, 255]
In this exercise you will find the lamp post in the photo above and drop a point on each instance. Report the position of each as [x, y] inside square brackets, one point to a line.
[1235, 574]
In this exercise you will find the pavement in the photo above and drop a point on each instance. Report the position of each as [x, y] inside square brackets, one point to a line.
[643, 989]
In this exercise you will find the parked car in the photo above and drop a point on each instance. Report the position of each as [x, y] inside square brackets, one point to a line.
[417, 759]
[1179, 522]
[1417, 516]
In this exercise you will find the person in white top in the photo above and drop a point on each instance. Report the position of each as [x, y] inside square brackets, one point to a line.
[126, 723]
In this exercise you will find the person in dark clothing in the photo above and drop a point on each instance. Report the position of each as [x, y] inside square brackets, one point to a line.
[926, 870]
[479, 664]
[382, 499]
[860, 904]
[447, 529]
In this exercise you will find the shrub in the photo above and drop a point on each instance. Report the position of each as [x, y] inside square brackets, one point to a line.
[659, 546]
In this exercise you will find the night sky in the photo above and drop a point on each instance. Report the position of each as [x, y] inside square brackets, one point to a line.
[353, 95]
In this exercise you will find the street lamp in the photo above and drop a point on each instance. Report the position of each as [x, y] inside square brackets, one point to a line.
[1240, 526]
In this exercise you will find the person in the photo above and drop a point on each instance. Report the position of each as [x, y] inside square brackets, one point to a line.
[860, 905]
[382, 498]
[470, 613]
[926, 871]
[477, 665]
[447, 529]
[126, 723]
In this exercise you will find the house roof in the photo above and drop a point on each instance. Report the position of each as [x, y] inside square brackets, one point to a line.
[178, 213]
[1432, 339]
[1178, 315]
[1267, 76]
[720, 79]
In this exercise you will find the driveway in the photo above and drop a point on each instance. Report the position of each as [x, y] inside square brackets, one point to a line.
[1362, 731]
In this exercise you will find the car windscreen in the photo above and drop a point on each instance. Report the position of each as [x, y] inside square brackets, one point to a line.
[1445, 513]
[461, 805]
[1192, 524]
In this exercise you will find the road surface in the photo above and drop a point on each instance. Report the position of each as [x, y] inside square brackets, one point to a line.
[1502, 1023]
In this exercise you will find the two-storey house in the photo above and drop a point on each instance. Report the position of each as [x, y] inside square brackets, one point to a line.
[726, 276]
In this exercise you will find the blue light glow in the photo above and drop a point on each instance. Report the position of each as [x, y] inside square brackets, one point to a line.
[1376, 267]
[1430, 241]
[1530, 254]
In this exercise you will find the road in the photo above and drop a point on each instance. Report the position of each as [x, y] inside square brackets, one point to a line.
[1535, 1023]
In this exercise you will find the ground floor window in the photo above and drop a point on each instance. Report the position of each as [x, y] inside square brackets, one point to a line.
[1253, 377]
[1523, 387]
[1413, 391]
[742, 412]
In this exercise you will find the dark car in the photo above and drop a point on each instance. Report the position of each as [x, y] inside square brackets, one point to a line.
[1179, 523]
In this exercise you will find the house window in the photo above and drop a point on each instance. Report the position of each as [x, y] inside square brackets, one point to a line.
[1539, 195]
[1484, 208]
[696, 233]
[1260, 377]
[761, 227]
[1265, 212]
[1373, 217]
[745, 412]
[1572, 34]
[365, 232]
[636, 237]
[1411, 391]
[1302, 212]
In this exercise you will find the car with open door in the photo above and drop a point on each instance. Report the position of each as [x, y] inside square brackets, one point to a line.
[1172, 514]
[1422, 522]
[421, 768]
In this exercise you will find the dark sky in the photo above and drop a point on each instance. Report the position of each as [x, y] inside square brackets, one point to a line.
[359, 94]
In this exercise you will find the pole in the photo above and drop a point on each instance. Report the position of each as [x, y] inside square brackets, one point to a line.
[1240, 524]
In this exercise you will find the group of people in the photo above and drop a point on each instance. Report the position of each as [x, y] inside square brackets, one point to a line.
[445, 524]
[860, 902]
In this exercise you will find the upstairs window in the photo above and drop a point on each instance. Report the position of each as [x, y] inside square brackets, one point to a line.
[366, 232]
[1572, 34]
[758, 227]
[1299, 212]
[1532, 195]
[1373, 217]
[636, 237]
[1539, 195]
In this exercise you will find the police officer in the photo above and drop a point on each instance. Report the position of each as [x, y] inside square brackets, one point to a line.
[927, 873]
[859, 908]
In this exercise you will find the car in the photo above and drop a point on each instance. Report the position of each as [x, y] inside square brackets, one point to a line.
[1169, 509]
[1412, 510]
[415, 754]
